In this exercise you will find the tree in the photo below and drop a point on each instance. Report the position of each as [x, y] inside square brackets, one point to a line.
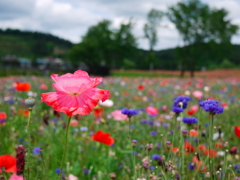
[199, 25]
[150, 32]
[103, 45]
[125, 44]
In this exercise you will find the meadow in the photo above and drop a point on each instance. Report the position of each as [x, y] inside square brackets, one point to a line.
[153, 144]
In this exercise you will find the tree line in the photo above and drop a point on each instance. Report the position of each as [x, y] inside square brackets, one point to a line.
[206, 33]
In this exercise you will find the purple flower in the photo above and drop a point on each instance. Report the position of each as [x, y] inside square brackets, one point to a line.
[58, 170]
[181, 101]
[236, 168]
[153, 133]
[211, 106]
[2, 120]
[191, 166]
[156, 157]
[36, 150]
[151, 167]
[129, 112]
[177, 109]
[85, 171]
[189, 120]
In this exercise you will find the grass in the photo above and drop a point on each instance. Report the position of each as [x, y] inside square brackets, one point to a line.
[89, 159]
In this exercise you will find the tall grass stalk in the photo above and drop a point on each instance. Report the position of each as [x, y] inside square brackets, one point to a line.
[65, 149]
[29, 153]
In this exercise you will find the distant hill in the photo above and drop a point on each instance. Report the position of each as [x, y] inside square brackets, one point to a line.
[32, 44]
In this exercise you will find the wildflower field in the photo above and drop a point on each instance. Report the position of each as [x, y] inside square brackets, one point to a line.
[76, 127]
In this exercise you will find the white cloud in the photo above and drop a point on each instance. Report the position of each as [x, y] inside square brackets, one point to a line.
[70, 19]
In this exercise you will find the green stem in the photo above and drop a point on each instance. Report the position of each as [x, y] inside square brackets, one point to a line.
[148, 166]
[44, 165]
[65, 149]
[182, 149]
[29, 143]
[175, 130]
[210, 141]
[132, 148]
[225, 165]
[212, 145]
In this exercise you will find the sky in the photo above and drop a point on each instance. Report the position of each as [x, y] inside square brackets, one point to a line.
[70, 19]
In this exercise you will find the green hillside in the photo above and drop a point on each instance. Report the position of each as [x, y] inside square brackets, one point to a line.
[31, 44]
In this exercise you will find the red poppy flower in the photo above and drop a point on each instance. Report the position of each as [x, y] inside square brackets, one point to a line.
[23, 112]
[193, 133]
[219, 145]
[210, 153]
[3, 116]
[202, 147]
[164, 82]
[8, 162]
[141, 87]
[23, 86]
[191, 112]
[224, 105]
[102, 137]
[188, 147]
[237, 131]
[98, 112]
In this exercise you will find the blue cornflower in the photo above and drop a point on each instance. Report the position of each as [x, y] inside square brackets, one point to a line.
[58, 170]
[2, 120]
[236, 168]
[153, 133]
[151, 167]
[85, 171]
[20, 140]
[166, 125]
[191, 166]
[132, 127]
[181, 101]
[177, 109]
[156, 157]
[36, 150]
[129, 112]
[189, 120]
[83, 128]
[211, 106]
[144, 121]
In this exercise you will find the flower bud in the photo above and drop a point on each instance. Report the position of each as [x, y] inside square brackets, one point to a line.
[168, 144]
[30, 102]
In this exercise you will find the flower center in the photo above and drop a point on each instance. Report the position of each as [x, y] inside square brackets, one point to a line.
[74, 94]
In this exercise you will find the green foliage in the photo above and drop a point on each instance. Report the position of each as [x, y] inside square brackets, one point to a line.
[31, 44]
[226, 64]
[103, 45]
[101, 160]
[150, 28]
[202, 28]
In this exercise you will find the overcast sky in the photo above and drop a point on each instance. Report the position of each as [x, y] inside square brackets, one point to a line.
[70, 19]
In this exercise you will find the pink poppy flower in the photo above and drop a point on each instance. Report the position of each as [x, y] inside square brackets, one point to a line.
[76, 93]
[16, 177]
[72, 177]
[74, 122]
[43, 86]
[118, 115]
[197, 94]
[152, 111]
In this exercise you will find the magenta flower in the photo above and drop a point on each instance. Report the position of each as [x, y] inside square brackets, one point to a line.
[76, 93]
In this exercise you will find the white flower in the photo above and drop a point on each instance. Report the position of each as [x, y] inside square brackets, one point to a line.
[216, 135]
[107, 103]
[220, 153]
